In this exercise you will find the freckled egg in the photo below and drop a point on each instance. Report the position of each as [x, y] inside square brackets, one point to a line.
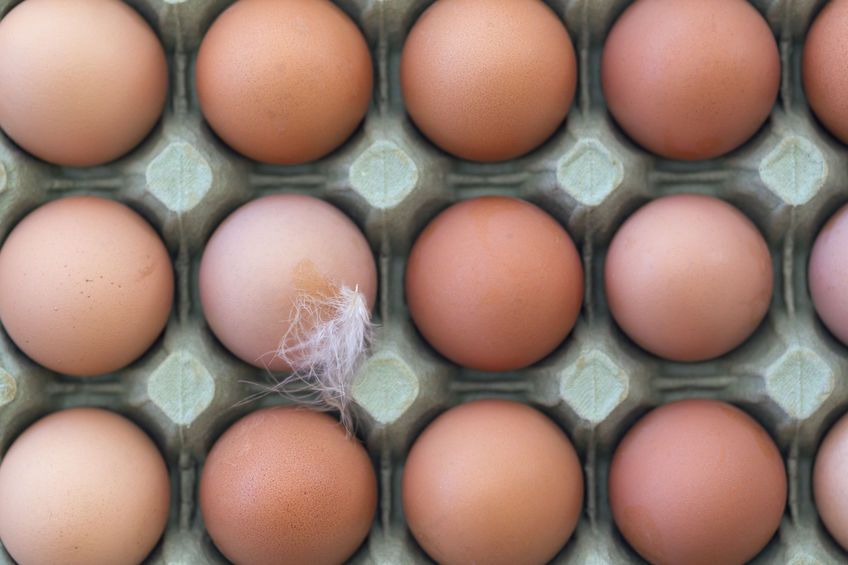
[494, 283]
[828, 274]
[697, 482]
[265, 257]
[284, 81]
[825, 68]
[86, 285]
[493, 482]
[830, 481]
[82, 82]
[690, 79]
[82, 487]
[688, 277]
[287, 485]
[488, 80]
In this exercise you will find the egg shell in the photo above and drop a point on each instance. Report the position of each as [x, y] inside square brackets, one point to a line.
[688, 277]
[825, 68]
[830, 475]
[284, 81]
[828, 274]
[494, 283]
[690, 79]
[86, 285]
[697, 482]
[263, 255]
[83, 486]
[287, 485]
[82, 82]
[495, 482]
[488, 80]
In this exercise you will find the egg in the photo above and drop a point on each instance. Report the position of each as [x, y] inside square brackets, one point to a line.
[697, 482]
[82, 487]
[689, 79]
[494, 283]
[265, 257]
[488, 80]
[86, 285]
[82, 82]
[825, 68]
[284, 81]
[495, 482]
[688, 277]
[828, 274]
[287, 485]
[830, 481]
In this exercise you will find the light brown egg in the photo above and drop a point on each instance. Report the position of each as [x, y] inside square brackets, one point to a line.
[284, 81]
[830, 481]
[86, 285]
[688, 277]
[287, 485]
[492, 482]
[697, 482]
[488, 80]
[825, 68]
[82, 82]
[82, 487]
[828, 274]
[690, 79]
[264, 256]
[494, 283]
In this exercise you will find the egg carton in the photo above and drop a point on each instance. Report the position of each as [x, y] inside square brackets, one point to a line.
[187, 389]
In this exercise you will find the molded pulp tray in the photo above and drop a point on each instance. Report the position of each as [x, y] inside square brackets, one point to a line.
[791, 375]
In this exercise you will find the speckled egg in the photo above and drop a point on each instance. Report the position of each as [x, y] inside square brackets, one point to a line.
[287, 485]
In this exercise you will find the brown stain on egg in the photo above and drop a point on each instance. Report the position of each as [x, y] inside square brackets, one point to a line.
[309, 280]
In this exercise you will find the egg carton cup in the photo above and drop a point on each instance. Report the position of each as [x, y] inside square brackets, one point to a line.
[187, 389]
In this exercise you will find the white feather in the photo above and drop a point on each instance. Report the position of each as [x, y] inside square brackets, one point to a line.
[326, 342]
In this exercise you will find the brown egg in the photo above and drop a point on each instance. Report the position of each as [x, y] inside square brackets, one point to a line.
[82, 487]
[492, 482]
[86, 285]
[287, 485]
[828, 274]
[689, 79]
[830, 482]
[81, 81]
[488, 80]
[697, 482]
[494, 283]
[284, 81]
[825, 68]
[264, 256]
[688, 277]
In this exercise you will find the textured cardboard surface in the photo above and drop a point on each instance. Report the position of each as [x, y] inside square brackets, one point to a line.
[788, 179]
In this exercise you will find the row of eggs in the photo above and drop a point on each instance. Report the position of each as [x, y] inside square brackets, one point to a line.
[490, 481]
[286, 82]
[493, 283]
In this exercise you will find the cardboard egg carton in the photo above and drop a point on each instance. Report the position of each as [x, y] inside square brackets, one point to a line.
[187, 389]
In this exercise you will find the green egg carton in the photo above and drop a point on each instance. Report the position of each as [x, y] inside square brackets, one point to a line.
[790, 375]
